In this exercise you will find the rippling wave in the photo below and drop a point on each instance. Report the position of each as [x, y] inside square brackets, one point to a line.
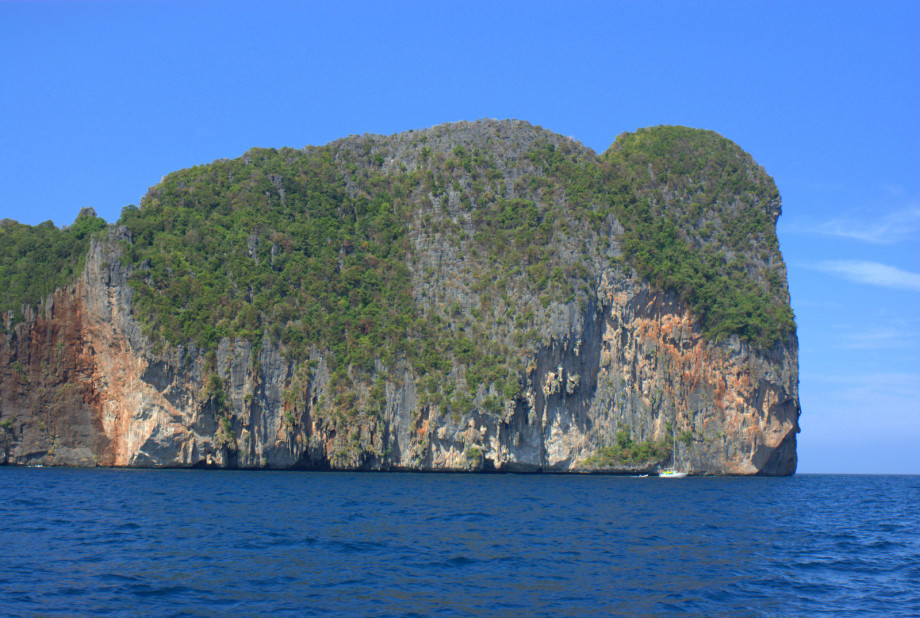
[172, 542]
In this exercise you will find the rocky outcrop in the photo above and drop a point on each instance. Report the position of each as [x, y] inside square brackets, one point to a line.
[81, 384]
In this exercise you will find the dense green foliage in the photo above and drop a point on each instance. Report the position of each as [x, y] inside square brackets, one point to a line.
[36, 260]
[626, 451]
[701, 223]
[272, 244]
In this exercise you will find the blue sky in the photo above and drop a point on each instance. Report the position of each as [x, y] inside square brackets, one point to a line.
[100, 100]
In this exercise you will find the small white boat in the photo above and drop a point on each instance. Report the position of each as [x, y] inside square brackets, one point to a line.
[671, 474]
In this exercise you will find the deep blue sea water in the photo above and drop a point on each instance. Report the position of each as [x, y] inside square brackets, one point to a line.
[192, 542]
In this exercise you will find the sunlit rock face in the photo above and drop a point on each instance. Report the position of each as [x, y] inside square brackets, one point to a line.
[589, 366]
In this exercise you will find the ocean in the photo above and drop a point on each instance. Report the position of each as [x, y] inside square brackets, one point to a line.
[196, 542]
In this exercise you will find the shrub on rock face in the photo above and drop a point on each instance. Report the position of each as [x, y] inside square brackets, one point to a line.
[625, 452]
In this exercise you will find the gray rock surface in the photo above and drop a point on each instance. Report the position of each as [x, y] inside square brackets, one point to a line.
[81, 384]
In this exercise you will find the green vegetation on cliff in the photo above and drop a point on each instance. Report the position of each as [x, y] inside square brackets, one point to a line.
[446, 250]
[702, 224]
[272, 244]
[36, 260]
[624, 451]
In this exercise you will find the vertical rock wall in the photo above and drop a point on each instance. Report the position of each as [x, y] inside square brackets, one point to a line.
[81, 384]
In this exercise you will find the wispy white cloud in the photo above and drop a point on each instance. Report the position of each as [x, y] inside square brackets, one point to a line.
[876, 339]
[864, 386]
[872, 273]
[874, 397]
[894, 227]
[892, 189]
[880, 339]
[877, 331]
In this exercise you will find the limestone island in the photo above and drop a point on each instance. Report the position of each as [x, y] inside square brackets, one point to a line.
[477, 296]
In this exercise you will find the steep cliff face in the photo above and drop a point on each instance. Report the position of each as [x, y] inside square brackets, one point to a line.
[588, 366]
[49, 402]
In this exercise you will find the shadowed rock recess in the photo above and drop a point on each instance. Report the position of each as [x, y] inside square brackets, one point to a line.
[478, 296]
